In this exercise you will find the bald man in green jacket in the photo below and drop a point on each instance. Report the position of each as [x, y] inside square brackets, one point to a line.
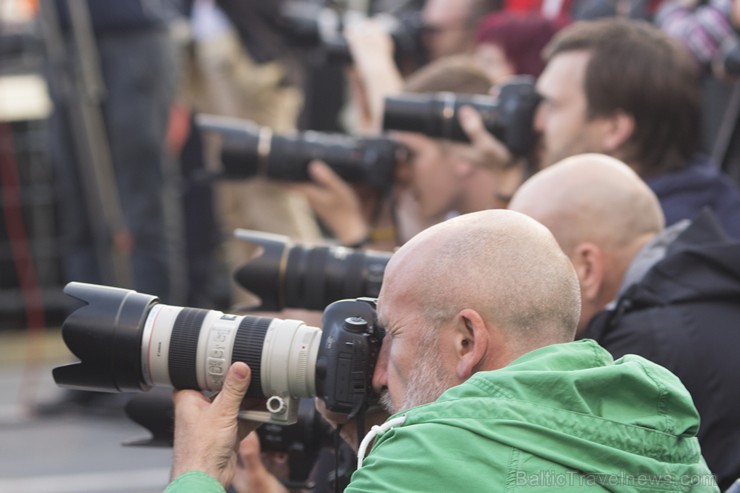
[486, 389]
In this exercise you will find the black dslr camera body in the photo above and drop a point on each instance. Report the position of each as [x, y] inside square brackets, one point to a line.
[508, 116]
[249, 150]
[128, 342]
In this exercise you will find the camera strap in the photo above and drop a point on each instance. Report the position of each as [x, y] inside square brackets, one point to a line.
[374, 432]
[337, 445]
[358, 413]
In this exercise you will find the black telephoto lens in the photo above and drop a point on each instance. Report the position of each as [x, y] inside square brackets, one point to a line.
[249, 150]
[508, 116]
[288, 275]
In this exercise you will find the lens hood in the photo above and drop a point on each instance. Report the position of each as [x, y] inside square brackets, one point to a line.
[105, 334]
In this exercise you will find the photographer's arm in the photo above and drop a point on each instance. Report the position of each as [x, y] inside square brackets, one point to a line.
[336, 203]
[207, 434]
[374, 69]
[487, 151]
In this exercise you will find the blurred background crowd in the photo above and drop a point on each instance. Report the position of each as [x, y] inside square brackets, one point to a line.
[108, 178]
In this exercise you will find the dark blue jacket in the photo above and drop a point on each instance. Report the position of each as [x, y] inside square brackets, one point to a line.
[683, 194]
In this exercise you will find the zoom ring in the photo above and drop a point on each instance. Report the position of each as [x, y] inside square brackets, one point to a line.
[184, 348]
[248, 344]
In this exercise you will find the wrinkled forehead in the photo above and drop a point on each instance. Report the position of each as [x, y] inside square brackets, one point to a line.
[398, 311]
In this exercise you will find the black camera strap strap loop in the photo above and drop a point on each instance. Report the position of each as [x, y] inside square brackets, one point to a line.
[358, 413]
[337, 451]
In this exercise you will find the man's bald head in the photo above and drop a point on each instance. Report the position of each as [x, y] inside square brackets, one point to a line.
[500, 263]
[601, 213]
[594, 198]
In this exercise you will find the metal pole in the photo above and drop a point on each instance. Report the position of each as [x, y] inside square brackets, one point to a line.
[82, 89]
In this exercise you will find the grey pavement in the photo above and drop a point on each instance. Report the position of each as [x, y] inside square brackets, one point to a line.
[67, 453]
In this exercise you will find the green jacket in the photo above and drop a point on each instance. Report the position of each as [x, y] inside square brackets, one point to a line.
[561, 418]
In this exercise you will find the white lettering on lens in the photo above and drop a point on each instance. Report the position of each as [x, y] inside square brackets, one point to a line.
[216, 363]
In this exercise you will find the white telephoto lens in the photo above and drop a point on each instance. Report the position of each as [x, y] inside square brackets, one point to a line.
[155, 344]
[289, 358]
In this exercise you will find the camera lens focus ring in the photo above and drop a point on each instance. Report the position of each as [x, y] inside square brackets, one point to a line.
[248, 343]
[184, 348]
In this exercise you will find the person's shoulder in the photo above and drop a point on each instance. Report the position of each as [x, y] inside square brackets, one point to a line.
[431, 453]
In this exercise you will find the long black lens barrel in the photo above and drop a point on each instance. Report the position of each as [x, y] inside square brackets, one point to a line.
[357, 160]
[508, 116]
[244, 144]
[317, 276]
[249, 150]
[287, 275]
[434, 115]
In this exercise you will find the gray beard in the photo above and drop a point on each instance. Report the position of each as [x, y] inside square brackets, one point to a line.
[427, 381]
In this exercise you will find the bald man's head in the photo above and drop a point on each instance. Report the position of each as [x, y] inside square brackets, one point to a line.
[500, 263]
[591, 197]
[601, 213]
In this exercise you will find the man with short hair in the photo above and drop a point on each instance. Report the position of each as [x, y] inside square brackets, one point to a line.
[670, 295]
[625, 88]
[489, 390]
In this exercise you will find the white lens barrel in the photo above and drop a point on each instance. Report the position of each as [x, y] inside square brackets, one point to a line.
[289, 359]
[215, 347]
[155, 344]
[200, 344]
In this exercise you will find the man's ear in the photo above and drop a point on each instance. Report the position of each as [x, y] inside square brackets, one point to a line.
[618, 129]
[588, 260]
[472, 340]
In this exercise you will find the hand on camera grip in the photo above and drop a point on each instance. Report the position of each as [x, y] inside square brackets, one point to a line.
[486, 150]
[335, 202]
[207, 432]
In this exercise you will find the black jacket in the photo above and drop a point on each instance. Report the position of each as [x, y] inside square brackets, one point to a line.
[685, 315]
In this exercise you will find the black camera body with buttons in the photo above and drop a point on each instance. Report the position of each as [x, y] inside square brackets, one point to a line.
[350, 343]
